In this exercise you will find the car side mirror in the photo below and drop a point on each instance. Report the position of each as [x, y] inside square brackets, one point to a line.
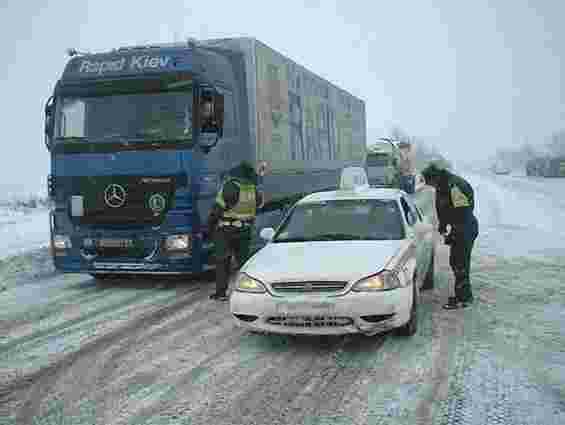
[410, 218]
[267, 233]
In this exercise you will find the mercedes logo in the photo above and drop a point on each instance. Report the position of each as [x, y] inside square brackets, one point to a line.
[115, 195]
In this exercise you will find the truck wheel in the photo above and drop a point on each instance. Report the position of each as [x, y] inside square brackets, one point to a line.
[429, 278]
[411, 327]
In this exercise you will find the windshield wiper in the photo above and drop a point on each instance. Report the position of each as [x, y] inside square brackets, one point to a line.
[292, 240]
[71, 138]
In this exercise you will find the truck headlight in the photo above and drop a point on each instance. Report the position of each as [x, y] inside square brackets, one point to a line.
[61, 242]
[245, 283]
[51, 205]
[382, 281]
[177, 243]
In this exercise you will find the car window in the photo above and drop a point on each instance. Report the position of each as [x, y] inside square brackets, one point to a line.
[342, 220]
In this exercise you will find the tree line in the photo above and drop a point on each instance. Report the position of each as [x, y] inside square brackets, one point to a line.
[517, 158]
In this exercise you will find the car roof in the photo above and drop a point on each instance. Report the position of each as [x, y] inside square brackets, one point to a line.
[370, 193]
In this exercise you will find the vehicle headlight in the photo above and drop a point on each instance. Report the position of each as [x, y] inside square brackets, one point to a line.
[177, 243]
[245, 283]
[61, 242]
[382, 281]
[51, 205]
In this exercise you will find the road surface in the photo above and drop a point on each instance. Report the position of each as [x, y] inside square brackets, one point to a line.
[130, 351]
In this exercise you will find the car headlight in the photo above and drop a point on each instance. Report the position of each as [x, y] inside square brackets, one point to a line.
[245, 283]
[382, 281]
[177, 243]
[61, 242]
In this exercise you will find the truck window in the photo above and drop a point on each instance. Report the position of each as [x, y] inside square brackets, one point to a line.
[72, 119]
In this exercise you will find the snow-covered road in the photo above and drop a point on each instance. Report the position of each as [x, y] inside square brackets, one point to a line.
[520, 216]
[73, 350]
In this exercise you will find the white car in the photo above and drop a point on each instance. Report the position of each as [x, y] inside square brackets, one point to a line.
[340, 262]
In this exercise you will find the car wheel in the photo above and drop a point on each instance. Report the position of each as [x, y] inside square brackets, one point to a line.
[411, 327]
[429, 278]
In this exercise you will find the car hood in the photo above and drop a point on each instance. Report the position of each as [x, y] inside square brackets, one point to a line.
[320, 261]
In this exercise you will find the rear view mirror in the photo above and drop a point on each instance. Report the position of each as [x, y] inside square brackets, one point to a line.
[49, 120]
[211, 108]
[210, 118]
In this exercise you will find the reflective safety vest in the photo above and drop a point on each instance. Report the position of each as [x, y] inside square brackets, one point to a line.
[246, 206]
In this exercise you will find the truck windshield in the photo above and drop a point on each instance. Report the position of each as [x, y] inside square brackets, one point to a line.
[165, 116]
[377, 160]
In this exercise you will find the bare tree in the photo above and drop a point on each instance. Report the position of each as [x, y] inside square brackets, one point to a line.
[557, 144]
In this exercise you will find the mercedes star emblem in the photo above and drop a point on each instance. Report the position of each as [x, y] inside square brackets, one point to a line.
[115, 195]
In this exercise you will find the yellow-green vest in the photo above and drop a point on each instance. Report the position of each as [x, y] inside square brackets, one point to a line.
[246, 206]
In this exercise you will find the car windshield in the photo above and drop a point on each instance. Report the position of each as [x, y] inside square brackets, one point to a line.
[377, 160]
[340, 220]
[140, 116]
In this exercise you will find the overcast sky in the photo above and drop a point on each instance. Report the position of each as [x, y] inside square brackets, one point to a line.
[467, 77]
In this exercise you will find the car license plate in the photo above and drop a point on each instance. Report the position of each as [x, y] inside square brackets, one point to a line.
[302, 307]
[115, 243]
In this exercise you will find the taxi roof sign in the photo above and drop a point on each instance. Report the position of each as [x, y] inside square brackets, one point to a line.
[353, 178]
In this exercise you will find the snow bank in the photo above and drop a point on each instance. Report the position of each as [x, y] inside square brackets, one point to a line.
[23, 230]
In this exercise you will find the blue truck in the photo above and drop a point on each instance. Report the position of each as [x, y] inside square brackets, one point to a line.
[140, 139]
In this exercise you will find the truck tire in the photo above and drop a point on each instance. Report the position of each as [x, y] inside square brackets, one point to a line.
[429, 278]
[411, 327]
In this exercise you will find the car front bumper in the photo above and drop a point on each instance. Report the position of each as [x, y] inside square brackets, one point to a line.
[367, 313]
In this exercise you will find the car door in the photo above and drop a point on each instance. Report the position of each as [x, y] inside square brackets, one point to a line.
[410, 263]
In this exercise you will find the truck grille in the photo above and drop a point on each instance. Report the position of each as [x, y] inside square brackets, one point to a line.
[137, 248]
[310, 321]
[308, 287]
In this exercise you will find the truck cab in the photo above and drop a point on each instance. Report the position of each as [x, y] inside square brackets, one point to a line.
[382, 165]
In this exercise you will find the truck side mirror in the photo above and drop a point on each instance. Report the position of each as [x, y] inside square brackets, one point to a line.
[49, 121]
[210, 118]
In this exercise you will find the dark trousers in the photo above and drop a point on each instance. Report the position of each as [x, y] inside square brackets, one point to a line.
[230, 241]
[460, 260]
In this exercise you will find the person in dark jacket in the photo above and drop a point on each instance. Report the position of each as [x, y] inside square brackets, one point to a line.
[231, 220]
[455, 203]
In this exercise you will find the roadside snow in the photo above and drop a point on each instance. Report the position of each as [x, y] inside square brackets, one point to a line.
[23, 230]
[530, 213]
